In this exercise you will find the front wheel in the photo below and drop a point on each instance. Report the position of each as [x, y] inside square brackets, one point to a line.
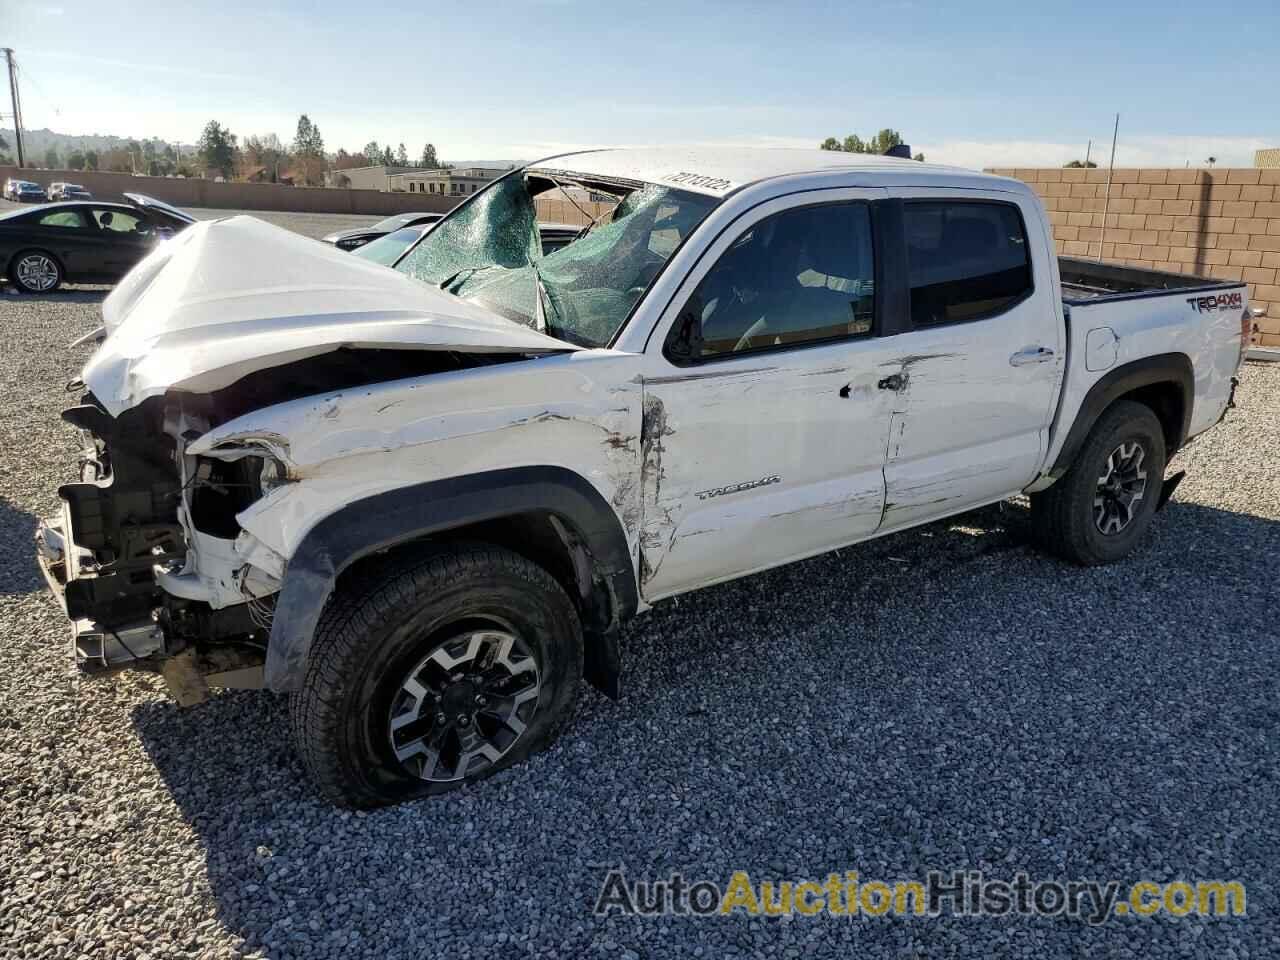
[433, 669]
[34, 271]
[1102, 506]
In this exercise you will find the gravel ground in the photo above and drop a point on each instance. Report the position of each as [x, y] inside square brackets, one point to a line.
[942, 699]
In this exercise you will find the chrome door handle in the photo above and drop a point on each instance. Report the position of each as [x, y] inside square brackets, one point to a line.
[1031, 355]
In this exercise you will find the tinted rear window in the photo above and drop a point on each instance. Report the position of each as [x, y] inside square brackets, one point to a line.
[966, 260]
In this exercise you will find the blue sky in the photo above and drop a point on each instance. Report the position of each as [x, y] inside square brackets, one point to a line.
[973, 83]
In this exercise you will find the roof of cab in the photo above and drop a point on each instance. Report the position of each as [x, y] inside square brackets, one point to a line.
[720, 171]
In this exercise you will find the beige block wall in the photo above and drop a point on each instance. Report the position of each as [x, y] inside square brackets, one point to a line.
[566, 211]
[1221, 223]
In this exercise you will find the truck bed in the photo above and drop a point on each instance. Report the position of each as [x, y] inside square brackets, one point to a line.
[1087, 281]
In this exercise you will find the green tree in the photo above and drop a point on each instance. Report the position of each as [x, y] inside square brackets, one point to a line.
[91, 159]
[402, 156]
[308, 151]
[75, 160]
[429, 158]
[51, 159]
[388, 158]
[308, 142]
[372, 152]
[879, 145]
[216, 148]
[1079, 164]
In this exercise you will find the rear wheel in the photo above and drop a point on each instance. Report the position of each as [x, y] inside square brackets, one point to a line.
[1100, 508]
[433, 670]
[34, 271]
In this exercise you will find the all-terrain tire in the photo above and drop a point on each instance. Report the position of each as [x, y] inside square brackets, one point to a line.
[1064, 518]
[388, 615]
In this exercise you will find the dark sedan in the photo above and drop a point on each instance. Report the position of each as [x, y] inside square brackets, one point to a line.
[83, 242]
[27, 192]
[359, 236]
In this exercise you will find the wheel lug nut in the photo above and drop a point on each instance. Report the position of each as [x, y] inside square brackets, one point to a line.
[441, 718]
[463, 721]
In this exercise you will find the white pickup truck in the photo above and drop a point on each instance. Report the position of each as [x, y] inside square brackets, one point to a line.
[422, 499]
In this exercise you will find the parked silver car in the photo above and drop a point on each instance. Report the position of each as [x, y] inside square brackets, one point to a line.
[68, 191]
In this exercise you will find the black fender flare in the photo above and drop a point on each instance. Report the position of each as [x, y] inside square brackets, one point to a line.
[389, 519]
[1161, 368]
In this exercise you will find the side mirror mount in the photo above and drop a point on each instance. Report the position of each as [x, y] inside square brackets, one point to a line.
[684, 342]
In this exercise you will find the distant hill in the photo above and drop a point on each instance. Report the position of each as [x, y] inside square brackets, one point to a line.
[40, 141]
[491, 164]
[36, 142]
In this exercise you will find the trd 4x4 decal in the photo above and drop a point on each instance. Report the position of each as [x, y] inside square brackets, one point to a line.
[1223, 301]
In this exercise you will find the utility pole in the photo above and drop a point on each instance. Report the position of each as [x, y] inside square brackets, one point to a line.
[17, 110]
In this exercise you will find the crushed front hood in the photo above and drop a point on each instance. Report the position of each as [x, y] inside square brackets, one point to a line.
[225, 298]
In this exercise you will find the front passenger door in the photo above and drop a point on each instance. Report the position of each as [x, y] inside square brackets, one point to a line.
[126, 239]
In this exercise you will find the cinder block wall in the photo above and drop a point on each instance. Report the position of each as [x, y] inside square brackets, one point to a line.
[1222, 223]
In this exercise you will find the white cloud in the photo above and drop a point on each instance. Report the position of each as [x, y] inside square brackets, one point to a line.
[1139, 151]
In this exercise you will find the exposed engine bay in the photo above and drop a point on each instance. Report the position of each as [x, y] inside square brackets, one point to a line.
[149, 558]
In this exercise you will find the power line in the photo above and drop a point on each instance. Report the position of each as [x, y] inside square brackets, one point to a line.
[22, 71]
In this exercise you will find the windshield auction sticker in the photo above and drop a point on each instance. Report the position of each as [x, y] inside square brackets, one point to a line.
[959, 893]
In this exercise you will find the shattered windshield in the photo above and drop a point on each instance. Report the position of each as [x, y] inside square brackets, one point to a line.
[489, 252]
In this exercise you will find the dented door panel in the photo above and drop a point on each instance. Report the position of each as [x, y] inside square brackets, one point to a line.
[750, 463]
[975, 398]
[967, 427]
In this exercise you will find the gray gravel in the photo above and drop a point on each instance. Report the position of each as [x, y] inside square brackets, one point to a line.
[946, 698]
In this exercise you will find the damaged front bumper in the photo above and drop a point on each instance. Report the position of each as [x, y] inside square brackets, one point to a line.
[97, 647]
[123, 560]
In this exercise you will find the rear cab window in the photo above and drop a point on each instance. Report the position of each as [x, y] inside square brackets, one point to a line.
[966, 259]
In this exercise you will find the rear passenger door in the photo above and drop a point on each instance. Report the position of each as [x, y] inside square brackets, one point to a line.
[981, 355]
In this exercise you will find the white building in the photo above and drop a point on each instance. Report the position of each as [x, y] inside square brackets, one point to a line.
[454, 182]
